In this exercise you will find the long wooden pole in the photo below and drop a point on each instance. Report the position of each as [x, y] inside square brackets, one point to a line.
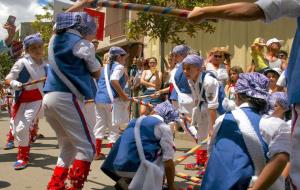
[145, 8]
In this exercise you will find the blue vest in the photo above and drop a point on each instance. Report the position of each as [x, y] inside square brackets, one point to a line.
[293, 70]
[102, 93]
[124, 155]
[182, 83]
[72, 67]
[230, 166]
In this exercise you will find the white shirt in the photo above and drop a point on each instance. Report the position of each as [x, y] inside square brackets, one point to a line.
[163, 132]
[282, 80]
[39, 70]
[211, 87]
[118, 72]
[86, 51]
[273, 9]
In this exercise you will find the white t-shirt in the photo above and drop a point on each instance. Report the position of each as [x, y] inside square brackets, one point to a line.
[273, 9]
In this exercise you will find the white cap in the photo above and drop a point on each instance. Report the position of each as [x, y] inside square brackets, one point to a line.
[274, 40]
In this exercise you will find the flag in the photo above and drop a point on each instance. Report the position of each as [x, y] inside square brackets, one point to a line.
[100, 17]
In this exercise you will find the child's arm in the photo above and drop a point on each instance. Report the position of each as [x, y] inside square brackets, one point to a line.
[271, 171]
[170, 173]
[79, 6]
[10, 79]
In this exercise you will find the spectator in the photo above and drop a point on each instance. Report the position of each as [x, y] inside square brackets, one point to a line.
[273, 48]
[216, 64]
[259, 63]
[151, 79]
[234, 73]
[5, 44]
[273, 75]
[283, 55]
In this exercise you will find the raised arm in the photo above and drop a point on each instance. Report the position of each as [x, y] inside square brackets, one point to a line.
[244, 11]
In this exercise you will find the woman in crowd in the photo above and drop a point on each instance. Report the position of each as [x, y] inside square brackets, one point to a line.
[233, 77]
[151, 80]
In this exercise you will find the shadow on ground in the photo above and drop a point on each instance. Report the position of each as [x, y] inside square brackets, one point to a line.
[4, 184]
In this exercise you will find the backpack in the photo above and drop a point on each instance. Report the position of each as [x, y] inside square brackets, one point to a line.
[221, 92]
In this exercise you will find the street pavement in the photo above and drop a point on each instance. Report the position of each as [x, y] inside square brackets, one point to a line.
[43, 155]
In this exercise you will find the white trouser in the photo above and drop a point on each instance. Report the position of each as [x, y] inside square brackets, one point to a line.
[25, 118]
[66, 115]
[103, 122]
[90, 109]
[295, 154]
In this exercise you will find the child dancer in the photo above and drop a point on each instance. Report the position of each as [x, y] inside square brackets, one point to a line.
[205, 89]
[28, 100]
[72, 63]
[246, 151]
[156, 137]
[111, 93]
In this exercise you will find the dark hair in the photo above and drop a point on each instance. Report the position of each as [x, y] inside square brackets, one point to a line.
[283, 52]
[259, 104]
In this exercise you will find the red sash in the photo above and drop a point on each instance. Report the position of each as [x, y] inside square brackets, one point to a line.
[171, 87]
[26, 96]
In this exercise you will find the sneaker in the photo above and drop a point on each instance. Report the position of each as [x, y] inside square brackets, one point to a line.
[20, 164]
[9, 145]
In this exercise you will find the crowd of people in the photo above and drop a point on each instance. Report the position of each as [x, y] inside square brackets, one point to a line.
[248, 117]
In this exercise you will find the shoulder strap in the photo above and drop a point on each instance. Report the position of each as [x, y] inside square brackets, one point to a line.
[137, 136]
[251, 140]
[60, 75]
[107, 83]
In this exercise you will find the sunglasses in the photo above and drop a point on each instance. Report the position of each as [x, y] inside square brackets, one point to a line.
[218, 56]
[282, 56]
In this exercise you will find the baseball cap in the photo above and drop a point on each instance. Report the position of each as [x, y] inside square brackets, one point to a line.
[274, 70]
[273, 40]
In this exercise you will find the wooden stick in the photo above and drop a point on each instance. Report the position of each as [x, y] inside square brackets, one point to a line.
[145, 8]
[34, 82]
[188, 177]
[190, 152]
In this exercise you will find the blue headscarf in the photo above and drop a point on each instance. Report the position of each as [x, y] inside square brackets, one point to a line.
[181, 50]
[253, 85]
[167, 111]
[32, 39]
[80, 21]
[194, 59]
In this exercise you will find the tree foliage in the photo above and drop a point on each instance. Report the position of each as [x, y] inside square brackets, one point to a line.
[43, 23]
[167, 28]
[5, 66]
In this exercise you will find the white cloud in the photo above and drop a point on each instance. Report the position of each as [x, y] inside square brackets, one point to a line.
[24, 10]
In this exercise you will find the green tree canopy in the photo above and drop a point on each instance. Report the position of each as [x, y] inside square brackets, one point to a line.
[167, 29]
[43, 23]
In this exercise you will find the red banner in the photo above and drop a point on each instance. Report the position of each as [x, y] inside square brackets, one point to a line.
[100, 17]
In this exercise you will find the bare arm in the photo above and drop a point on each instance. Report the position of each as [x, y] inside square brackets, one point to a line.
[144, 82]
[243, 11]
[271, 172]
[170, 173]
[212, 120]
[79, 6]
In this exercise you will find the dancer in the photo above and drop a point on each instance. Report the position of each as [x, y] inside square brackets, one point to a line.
[28, 100]
[72, 63]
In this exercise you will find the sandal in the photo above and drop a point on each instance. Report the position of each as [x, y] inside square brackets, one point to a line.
[192, 166]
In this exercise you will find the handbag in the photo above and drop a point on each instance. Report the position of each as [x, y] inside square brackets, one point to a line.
[149, 175]
[143, 87]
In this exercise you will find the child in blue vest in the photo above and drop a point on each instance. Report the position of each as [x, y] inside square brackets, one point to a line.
[28, 100]
[205, 89]
[111, 100]
[156, 137]
[181, 94]
[246, 149]
[72, 63]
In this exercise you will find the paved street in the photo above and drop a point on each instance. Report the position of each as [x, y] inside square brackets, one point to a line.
[43, 158]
